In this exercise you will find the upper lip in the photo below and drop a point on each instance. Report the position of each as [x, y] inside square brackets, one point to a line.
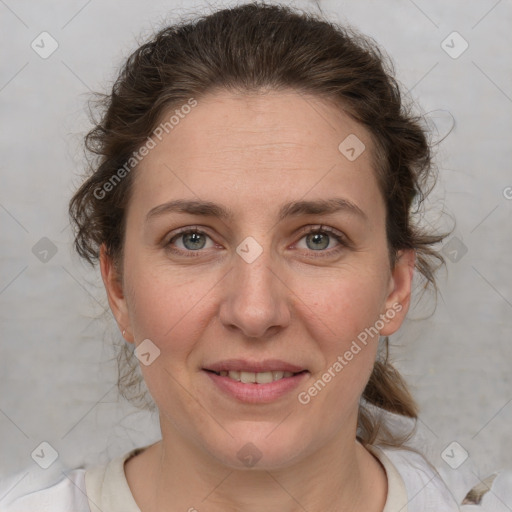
[254, 366]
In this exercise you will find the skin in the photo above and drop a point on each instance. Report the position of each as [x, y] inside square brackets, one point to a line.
[252, 153]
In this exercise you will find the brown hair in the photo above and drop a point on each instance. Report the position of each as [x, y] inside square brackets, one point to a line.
[246, 49]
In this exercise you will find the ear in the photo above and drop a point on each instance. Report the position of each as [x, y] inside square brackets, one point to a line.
[115, 294]
[399, 294]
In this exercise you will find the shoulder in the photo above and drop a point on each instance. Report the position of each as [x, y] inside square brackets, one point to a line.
[491, 494]
[23, 492]
[427, 490]
[78, 489]
[107, 486]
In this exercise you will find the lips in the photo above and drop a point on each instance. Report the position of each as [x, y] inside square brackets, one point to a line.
[242, 365]
[246, 390]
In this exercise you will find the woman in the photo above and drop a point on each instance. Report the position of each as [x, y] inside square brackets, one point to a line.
[251, 215]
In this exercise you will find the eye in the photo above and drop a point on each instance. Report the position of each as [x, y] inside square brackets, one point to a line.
[189, 240]
[320, 238]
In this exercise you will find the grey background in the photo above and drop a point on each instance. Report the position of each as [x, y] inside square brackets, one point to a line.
[57, 376]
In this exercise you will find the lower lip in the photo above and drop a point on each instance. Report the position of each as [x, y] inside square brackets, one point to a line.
[256, 393]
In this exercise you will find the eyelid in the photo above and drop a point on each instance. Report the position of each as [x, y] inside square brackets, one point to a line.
[322, 228]
[341, 238]
[343, 241]
[187, 229]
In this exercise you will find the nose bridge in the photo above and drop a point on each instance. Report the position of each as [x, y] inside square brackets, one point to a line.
[255, 299]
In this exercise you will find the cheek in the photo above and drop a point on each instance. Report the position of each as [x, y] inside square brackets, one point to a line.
[341, 305]
[169, 308]
[172, 312]
[341, 314]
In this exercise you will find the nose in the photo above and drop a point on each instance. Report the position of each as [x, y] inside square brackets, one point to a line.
[256, 300]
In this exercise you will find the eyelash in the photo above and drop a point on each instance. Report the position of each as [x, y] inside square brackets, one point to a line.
[340, 238]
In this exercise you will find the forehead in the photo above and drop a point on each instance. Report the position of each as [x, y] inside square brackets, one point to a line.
[264, 124]
[259, 148]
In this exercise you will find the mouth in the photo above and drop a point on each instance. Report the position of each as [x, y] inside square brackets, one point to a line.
[256, 387]
[252, 381]
[264, 377]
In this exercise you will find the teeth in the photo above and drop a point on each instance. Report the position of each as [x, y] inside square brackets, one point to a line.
[252, 377]
[247, 377]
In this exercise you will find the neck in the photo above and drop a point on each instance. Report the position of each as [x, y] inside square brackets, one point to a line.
[173, 475]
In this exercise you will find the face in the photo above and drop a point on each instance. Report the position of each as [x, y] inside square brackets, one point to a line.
[264, 271]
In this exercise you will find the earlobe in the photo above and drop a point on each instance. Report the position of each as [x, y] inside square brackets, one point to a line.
[399, 296]
[115, 293]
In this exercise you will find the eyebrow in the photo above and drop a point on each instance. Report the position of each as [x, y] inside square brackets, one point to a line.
[291, 209]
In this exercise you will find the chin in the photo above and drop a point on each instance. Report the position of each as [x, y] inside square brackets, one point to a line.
[260, 447]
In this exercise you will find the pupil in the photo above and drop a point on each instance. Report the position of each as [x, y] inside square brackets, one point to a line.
[317, 238]
[195, 240]
[320, 241]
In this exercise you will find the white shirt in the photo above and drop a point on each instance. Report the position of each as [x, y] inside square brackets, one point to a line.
[413, 486]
